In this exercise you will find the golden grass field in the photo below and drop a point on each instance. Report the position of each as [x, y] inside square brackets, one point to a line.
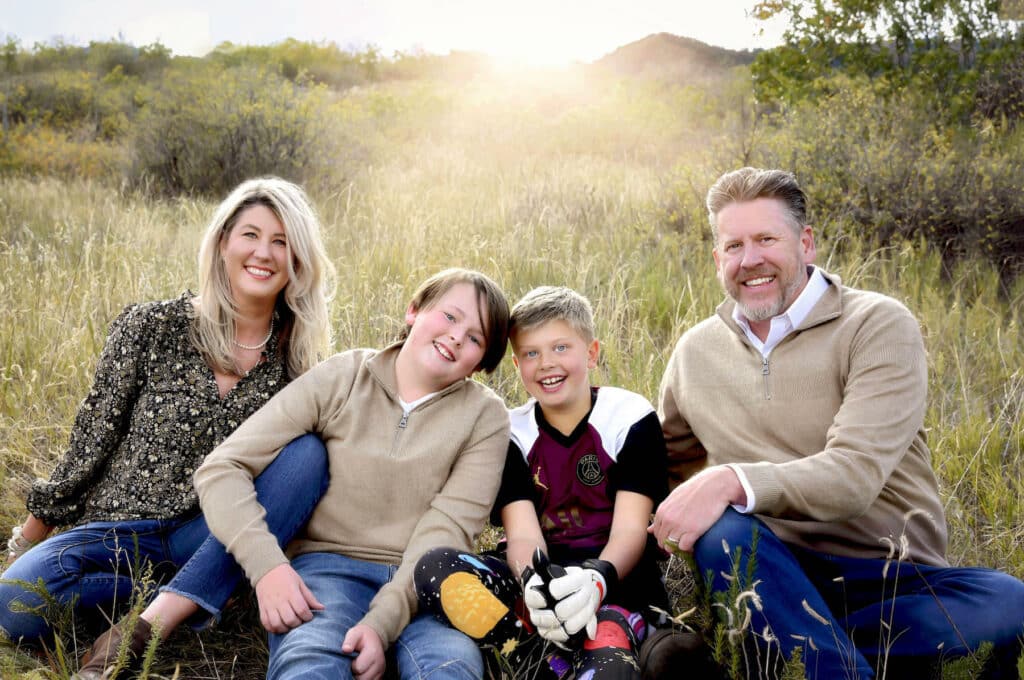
[533, 183]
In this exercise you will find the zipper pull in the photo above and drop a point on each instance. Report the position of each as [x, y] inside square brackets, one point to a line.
[765, 371]
[404, 421]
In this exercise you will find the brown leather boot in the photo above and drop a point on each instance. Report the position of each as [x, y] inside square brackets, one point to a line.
[100, 660]
[669, 654]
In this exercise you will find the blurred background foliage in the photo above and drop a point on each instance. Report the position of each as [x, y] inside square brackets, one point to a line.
[901, 116]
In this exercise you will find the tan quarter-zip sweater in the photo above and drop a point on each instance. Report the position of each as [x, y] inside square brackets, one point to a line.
[400, 483]
[829, 430]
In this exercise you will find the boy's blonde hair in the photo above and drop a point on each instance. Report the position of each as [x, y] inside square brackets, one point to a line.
[553, 303]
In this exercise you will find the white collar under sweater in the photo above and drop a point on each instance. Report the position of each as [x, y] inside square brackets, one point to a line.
[784, 324]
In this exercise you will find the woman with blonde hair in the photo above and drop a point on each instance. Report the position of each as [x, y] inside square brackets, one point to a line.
[174, 379]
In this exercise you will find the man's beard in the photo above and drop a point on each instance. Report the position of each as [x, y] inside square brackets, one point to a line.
[767, 310]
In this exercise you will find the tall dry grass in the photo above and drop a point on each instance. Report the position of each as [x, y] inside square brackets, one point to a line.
[533, 184]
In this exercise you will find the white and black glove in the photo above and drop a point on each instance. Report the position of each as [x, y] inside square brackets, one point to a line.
[579, 595]
[538, 600]
[563, 603]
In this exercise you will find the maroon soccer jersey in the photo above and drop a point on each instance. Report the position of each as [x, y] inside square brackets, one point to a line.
[572, 480]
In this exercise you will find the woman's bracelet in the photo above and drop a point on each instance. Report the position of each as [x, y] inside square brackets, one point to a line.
[18, 545]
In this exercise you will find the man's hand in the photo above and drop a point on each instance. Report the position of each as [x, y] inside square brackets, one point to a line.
[695, 505]
[285, 601]
[369, 664]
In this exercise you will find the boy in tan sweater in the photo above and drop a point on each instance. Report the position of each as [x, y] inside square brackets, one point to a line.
[415, 451]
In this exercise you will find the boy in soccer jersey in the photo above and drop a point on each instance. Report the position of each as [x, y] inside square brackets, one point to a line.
[585, 468]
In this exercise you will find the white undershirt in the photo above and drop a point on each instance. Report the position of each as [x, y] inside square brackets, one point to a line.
[407, 407]
[781, 326]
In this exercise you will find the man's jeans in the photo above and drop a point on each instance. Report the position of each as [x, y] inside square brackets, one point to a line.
[852, 616]
[426, 647]
[96, 565]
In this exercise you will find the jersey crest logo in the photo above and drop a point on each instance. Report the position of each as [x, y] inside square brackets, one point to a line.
[588, 470]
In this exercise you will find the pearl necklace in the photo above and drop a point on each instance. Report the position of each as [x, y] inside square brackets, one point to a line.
[259, 346]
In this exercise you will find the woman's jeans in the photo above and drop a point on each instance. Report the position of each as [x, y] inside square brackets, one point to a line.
[852, 617]
[97, 565]
[426, 647]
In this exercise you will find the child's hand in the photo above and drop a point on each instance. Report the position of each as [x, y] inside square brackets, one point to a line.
[579, 593]
[369, 664]
[539, 602]
[535, 597]
[285, 601]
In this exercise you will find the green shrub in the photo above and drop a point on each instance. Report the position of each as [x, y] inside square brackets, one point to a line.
[295, 59]
[879, 165]
[57, 99]
[104, 57]
[74, 101]
[999, 94]
[205, 132]
[48, 151]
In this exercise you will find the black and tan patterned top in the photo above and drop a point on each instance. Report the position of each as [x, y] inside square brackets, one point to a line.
[152, 415]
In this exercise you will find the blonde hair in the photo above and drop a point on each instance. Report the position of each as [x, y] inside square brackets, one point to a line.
[747, 184]
[304, 335]
[493, 309]
[553, 303]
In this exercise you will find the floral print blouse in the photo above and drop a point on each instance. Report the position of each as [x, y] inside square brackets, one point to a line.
[152, 415]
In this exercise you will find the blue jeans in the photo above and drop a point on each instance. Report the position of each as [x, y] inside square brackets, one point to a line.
[426, 647]
[923, 614]
[96, 565]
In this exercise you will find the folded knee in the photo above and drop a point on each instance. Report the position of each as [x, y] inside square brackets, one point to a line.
[458, 669]
[310, 658]
[21, 620]
[449, 655]
[1007, 605]
[434, 567]
[732, 530]
[307, 456]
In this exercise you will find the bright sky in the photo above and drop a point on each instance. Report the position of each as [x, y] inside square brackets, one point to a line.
[535, 31]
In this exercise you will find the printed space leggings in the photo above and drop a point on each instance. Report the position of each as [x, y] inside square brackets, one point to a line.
[478, 595]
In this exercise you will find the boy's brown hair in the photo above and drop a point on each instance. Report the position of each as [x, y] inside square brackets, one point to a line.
[494, 314]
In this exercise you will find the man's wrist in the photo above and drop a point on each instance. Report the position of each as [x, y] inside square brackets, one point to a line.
[737, 486]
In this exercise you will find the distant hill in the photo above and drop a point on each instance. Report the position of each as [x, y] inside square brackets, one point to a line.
[672, 58]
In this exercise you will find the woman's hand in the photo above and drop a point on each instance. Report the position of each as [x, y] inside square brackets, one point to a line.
[24, 537]
[285, 601]
[9, 559]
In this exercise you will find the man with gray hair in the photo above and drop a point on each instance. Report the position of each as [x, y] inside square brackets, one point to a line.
[802, 403]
